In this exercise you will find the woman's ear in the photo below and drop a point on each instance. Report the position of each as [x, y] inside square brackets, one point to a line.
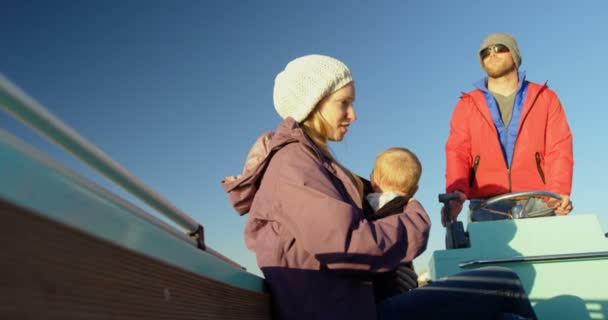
[373, 181]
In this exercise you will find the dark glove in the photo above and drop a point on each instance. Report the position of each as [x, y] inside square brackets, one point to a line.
[407, 279]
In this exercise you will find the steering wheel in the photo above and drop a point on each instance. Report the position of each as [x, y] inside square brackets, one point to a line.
[519, 211]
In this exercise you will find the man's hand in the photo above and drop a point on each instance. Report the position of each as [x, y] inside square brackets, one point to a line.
[562, 207]
[455, 207]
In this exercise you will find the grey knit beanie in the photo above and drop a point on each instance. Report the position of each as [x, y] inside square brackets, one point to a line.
[305, 81]
[502, 38]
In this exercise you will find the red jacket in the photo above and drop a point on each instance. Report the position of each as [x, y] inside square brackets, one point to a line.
[542, 158]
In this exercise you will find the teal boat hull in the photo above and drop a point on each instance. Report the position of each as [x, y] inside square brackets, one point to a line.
[70, 249]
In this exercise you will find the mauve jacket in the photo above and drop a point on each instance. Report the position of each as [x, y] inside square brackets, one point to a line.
[307, 229]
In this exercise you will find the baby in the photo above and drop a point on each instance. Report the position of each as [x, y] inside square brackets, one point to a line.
[394, 180]
[395, 176]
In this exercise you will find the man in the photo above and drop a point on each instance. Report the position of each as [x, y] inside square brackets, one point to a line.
[507, 135]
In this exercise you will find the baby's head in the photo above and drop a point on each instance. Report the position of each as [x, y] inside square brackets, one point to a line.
[396, 170]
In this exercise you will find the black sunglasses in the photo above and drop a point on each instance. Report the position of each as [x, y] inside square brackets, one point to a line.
[497, 48]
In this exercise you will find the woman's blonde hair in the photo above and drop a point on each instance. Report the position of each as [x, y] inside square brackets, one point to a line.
[317, 129]
[397, 170]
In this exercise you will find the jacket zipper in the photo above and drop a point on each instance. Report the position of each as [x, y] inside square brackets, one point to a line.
[473, 171]
[476, 161]
[538, 166]
[525, 116]
[540, 91]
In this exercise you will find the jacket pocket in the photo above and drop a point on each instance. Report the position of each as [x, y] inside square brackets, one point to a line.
[539, 167]
[473, 171]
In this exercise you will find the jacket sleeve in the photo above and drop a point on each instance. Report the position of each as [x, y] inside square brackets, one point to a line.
[332, 229]
[458, 150]
[558, 157]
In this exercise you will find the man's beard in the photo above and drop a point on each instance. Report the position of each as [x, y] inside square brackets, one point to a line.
[500, 71]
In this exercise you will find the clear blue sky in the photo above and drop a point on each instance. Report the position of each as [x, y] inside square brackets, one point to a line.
[177, 91]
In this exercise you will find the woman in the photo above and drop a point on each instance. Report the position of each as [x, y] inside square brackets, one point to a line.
[306, 226]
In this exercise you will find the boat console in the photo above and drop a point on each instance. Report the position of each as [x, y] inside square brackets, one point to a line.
[561, 260]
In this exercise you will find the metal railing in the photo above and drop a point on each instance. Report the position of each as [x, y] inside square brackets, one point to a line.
[34, 115]
[540, 258]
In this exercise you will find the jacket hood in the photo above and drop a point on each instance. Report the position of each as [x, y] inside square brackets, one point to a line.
[242, 188]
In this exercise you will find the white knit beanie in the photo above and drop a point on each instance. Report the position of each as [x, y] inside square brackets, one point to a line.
[305, 81]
